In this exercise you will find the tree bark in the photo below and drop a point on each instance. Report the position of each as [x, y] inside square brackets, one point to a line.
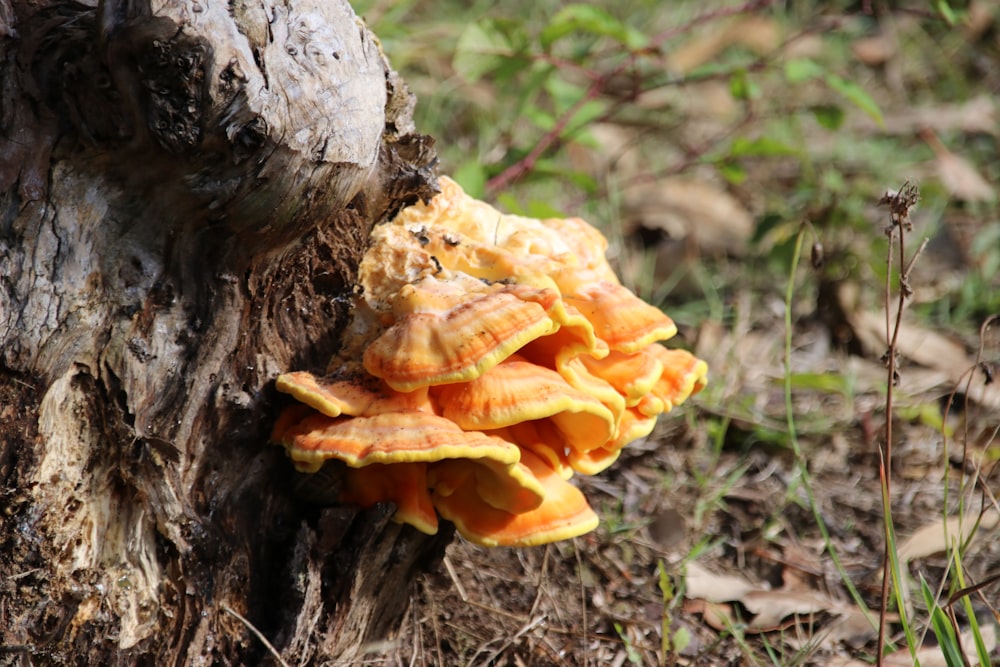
[186, 189]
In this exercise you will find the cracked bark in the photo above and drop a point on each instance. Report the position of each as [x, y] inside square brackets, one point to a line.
[185, 193]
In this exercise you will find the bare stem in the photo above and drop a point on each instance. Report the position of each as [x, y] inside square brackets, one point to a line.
[899, 204]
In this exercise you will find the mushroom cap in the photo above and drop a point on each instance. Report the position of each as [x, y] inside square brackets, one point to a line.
[509, 487]
[575, 337]
[620, 318]
[394, 258]
[542, 439]
[632, 375]
[350, 393]
[469, 235]
[403, 484]
[594, 461]
[516, 391]
[488, 358]
[401, 437]
[683, 375]
[632, 426]
[563, 513]
[450, 333]
[579, 376]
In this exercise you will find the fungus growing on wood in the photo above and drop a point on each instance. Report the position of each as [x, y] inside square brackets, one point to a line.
[490, 357]
[562, 514]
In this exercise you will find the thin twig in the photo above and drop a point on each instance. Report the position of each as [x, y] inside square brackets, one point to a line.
[257, 633]
[583, 600]
[429, 594]
[454, 579]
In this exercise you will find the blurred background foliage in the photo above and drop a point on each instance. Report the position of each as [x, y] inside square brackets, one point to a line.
[726, 125]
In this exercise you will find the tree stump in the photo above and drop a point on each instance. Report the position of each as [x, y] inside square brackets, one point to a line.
[186, 189]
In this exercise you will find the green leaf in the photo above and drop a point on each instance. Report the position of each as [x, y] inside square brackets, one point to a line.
[943, 630]
[946, 12]
[590, 20]
[741, 87]
[531, 83]
[633, 655]
[829, 116]
[798, 70]
[682, 639]
[826, 382]
[511, 204]
[564, 93]
[759, 147]
[856, 95]
[487, 45]
[472, 177]
[541, 118]
[732, 171]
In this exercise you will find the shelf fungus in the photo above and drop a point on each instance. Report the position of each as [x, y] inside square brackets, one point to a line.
[490, 358]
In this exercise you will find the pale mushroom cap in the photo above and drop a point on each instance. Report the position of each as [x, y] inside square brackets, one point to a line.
[476, 223]
[394, 259]
[563, 513]
[388, 438]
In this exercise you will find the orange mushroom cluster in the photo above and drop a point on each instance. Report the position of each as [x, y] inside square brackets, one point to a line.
[490, 357]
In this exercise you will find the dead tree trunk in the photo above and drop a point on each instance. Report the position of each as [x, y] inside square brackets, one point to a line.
[185, 192]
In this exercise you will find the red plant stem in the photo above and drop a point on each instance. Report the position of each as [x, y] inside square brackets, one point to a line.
[597, 86]
[527, 163]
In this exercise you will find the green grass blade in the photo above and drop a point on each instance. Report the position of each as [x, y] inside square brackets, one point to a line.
[943, 630]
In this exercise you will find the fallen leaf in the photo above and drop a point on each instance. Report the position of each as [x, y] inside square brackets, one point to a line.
[939, 535]
[756, 33]
[932, 656]
[975, 116]
[771, 608]
[690, 208]
[978, 18]
[959, 177]
[700, 583]
[874, 51]
[716, 616]
[929, 349]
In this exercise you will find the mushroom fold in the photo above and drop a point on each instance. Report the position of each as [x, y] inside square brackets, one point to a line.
[490, 357]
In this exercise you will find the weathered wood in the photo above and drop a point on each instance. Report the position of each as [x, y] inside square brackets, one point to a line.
[185, 193]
